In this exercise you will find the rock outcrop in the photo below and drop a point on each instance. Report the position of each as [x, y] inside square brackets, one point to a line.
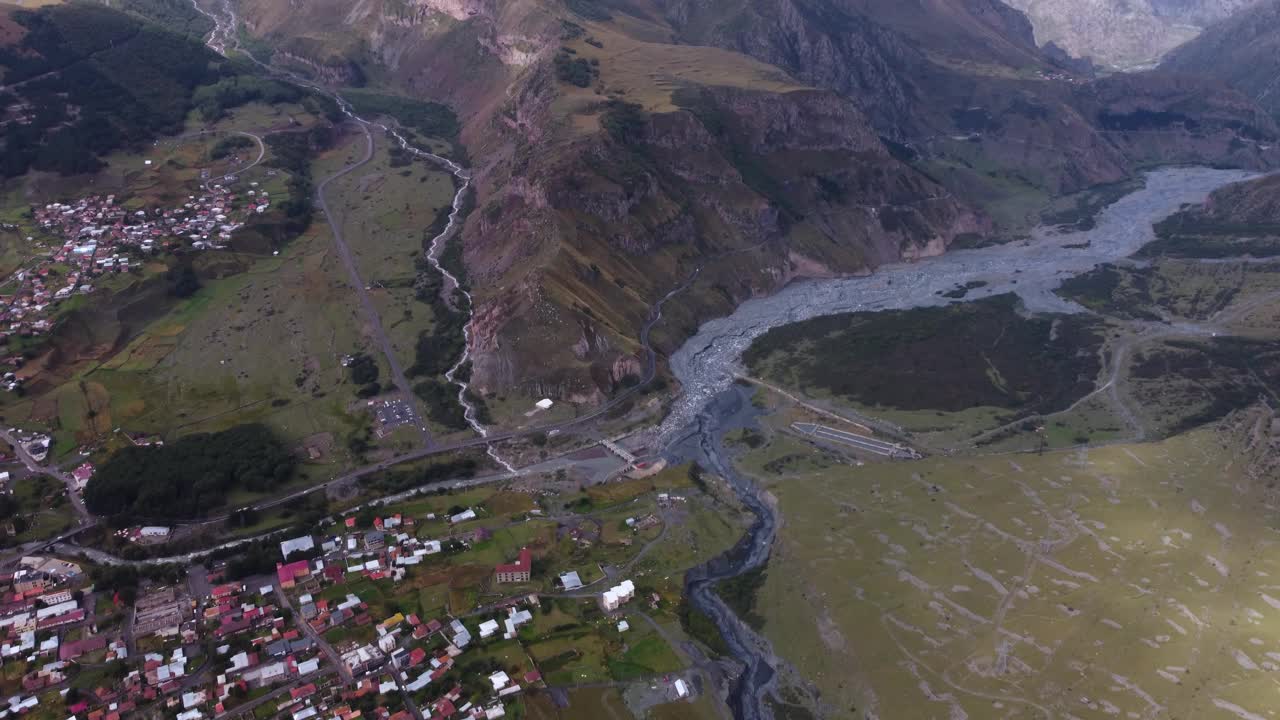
[1243, 51]
[1124, 34]
[616, 149]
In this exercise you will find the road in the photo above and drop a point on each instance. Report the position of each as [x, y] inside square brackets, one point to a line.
[372, 317]
[82, 513]
[334, 658]
[246, 710]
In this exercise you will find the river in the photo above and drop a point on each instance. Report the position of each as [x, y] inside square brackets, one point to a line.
[710, 404]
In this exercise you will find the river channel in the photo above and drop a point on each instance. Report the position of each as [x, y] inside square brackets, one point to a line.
[711, 404]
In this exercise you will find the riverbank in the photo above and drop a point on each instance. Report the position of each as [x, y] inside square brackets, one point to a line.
[710, 404]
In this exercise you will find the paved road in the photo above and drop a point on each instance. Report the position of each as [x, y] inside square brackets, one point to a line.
[246, 710]
[366, 302]
[82, 513]
[317, 638]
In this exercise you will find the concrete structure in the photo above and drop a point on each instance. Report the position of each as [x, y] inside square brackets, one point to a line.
[298, 544]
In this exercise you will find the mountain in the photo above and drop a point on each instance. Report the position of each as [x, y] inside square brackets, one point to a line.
[983, 110]
[1124, 34]
[1243, 51]
[616, 146]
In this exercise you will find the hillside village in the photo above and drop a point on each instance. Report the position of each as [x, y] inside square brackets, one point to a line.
[97, 235]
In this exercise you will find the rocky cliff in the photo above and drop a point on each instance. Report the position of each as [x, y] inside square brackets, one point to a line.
[1124, 34]
[1251, 203]
[577, 235]
[1243, 51]
[617, 147]
[981, 109]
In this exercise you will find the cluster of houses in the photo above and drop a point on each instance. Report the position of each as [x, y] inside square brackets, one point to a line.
[260, 648]
[46, 622]
[100, 235]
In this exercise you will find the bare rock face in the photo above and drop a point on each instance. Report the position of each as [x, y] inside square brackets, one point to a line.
[848, 146]
[1124, 34]
[1243, 51]
[1250, 203]
[984, 108]
[755, 187]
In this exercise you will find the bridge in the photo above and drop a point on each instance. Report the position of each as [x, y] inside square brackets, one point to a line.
[618, 450]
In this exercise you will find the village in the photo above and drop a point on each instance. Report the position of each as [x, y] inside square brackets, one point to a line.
[98, 235]
[347, 625]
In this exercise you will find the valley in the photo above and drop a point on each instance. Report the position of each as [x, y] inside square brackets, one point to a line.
[755, 359]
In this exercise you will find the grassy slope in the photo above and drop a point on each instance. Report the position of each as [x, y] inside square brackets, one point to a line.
[904, 575]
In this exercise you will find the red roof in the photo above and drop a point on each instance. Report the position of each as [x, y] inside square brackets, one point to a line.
[521, 565]
[304, 691]
[417, 656]
[292, 571]
[225, 590]
[73, 650]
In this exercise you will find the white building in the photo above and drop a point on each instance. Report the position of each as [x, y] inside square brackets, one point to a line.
[298, 544]
[499, 680]
[617, 595]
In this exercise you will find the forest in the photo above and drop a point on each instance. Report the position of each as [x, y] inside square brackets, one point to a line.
[982, 353]
[91, 80]
[189, 477]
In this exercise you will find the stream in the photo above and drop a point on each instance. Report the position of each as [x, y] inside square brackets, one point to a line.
[224, 37]
[711, 404]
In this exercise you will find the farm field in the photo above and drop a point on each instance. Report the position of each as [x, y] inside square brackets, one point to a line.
[1129, 580]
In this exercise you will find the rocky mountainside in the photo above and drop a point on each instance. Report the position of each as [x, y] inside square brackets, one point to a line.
[1243, 51]
[994, 121]
[617, 146]
[609, 164]
[1251, 203]
[1123, 34]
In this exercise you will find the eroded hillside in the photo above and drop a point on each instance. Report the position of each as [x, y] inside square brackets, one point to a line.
[617, 149]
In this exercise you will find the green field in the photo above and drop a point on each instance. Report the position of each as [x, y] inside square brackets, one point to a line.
[1126, 579]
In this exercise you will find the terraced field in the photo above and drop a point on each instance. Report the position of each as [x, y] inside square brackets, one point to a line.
[1131, 581]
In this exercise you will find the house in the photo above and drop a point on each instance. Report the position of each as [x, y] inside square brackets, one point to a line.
[570, 580]
[290, 574]
[617, 595]
[82, 475]
[517, 572]
[73, 650]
